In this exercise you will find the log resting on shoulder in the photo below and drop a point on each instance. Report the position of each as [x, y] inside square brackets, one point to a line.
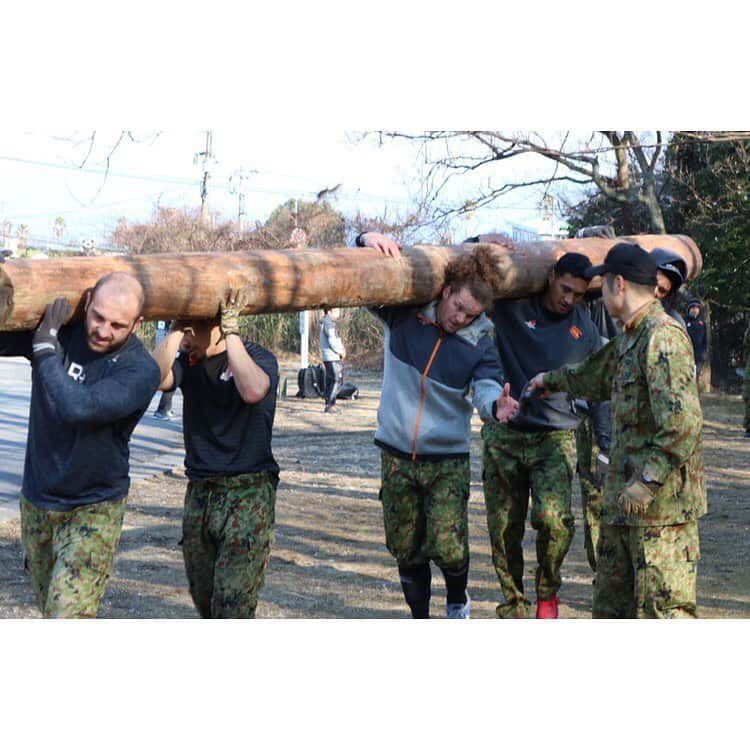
[192, 284]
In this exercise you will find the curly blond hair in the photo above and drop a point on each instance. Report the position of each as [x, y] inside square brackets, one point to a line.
[478, 271]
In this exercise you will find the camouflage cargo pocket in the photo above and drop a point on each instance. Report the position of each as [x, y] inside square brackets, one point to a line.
[671, 544]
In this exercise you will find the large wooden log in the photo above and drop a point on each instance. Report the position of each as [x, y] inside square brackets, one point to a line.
[191, 285]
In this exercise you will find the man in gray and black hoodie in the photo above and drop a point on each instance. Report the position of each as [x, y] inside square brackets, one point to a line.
[435, 355]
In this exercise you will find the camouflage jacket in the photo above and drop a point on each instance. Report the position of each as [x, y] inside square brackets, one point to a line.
[657, 421]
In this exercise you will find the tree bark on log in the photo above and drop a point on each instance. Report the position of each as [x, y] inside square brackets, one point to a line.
[192, 284]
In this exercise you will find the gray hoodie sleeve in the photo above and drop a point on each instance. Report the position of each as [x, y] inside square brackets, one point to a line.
[487, 384]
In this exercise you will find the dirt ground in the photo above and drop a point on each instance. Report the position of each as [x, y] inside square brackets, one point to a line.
[330, 560]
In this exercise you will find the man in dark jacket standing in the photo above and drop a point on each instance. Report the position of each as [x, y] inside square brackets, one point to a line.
[91, 382]
[534, 454]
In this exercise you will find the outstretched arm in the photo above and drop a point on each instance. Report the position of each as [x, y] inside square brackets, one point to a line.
[590, 379]
[492, 397]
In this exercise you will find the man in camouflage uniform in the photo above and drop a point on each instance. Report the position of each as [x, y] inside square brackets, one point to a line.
[746, 383]
[91, 382]
[594, 434]
[591, 451]
[435, 355]
[229, 391]
[654, 492]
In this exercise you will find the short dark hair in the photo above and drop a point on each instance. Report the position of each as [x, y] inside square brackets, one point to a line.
[574, 264]
[326, 310]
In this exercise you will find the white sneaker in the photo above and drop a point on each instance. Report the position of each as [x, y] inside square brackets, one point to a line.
[458, 611]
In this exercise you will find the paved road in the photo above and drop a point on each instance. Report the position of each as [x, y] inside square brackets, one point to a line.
[155, 446]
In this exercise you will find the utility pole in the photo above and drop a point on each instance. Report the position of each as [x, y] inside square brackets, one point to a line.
[235, 187]
[299, 240]
[208, 162]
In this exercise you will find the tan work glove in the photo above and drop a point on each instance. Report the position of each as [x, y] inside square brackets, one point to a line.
[635, 498]
[230, 310]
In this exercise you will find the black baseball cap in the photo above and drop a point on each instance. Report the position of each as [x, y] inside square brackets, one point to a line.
[628, 260]
[672, 265]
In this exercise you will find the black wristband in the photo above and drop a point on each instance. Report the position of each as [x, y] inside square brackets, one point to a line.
[360, 242]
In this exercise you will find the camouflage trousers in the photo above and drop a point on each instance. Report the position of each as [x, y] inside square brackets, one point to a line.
[647, 571]
[516, 463]
[425, 510]
[70, 555]
[227, 533]
[746, 394]
[592, 493]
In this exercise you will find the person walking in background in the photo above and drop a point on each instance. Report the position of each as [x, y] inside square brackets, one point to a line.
[696, 329]
[164, 409]
[332, 351]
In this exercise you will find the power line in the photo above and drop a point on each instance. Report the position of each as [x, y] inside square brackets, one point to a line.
[86, 170]
[192, 183]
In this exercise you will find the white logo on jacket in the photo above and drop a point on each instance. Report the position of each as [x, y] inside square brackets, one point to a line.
[76, 372]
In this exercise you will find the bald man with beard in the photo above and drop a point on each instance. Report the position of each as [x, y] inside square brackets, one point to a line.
[92, 380]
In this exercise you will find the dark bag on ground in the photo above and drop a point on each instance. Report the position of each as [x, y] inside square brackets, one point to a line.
[347, 392]
[311, 382]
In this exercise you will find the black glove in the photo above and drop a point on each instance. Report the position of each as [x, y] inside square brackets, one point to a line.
[45, 343]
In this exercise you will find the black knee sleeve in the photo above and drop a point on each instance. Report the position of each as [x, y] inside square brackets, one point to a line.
[415, 581]
[455, 584]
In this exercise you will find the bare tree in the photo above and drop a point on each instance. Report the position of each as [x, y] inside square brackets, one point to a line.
[100, 151]
[621, 165]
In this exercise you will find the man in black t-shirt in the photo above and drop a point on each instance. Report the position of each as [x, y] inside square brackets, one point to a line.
[91, 381]
[229, 402]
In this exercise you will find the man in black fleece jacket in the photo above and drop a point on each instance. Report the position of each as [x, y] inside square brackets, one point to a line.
[92, 380]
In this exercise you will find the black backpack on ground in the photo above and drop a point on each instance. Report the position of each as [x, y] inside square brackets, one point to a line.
[311, 382]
